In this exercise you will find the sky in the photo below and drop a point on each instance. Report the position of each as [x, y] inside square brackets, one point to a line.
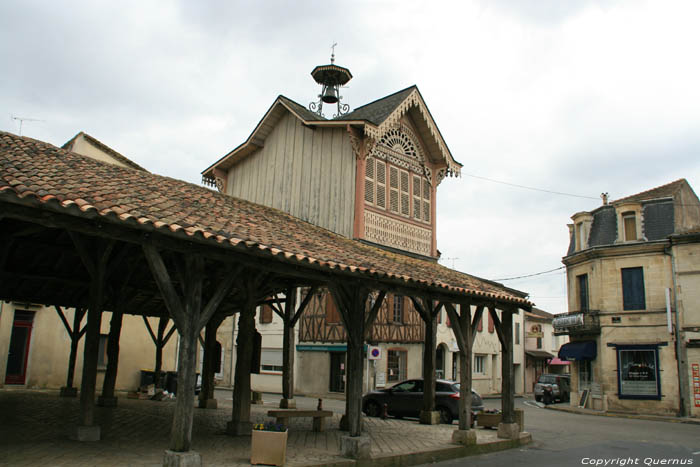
[576, 97]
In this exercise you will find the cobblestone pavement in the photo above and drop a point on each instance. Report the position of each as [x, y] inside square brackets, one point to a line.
[35, 428]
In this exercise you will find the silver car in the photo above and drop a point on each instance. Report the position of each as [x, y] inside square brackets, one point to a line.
[559, 384]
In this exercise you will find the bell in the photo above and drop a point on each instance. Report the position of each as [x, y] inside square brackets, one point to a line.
[330, 95]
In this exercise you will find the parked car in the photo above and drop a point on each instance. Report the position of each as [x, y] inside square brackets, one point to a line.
[560, 386]
[405, 399]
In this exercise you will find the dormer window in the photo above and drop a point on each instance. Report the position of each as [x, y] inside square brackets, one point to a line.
[629, 225]
[580, 242]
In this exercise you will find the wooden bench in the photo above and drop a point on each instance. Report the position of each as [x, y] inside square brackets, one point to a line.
[319, 416]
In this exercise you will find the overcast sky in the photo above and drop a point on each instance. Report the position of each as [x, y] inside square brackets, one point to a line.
[580, 97]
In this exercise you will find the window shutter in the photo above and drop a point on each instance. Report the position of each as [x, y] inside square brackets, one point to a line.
[381, 184]
[633, 289]
[491, 326]
[393, 189]
[369, 181]
[265, 314]
[480, 326]
[405, 210]
[332, 314]
[426, 201]
[417, 201]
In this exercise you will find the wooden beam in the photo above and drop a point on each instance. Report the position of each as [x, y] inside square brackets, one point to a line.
[304, 303]
[223, 288]
[150, 330]
[497, 325]
[475, 320]
[165, 285]
[372, 315]
[63, 319]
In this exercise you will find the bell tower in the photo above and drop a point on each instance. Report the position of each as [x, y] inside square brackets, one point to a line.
[331, 78]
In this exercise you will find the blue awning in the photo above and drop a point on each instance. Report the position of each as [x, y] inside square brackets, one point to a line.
[584, 350]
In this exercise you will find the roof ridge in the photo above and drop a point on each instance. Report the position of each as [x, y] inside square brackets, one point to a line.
[385, 97]
[662, 189]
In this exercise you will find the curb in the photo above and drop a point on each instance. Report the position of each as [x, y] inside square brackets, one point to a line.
[653, 418]
[431, 456]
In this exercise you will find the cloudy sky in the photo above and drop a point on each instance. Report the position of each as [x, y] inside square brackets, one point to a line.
[578, 97]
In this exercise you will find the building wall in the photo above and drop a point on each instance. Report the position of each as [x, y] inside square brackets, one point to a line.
[309, 173]
[81, 146]
[49, 349]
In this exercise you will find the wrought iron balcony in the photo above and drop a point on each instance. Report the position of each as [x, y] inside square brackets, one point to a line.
[577, 323]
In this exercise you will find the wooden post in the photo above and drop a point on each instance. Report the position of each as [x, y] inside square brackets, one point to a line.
[190, 317]
[75, 333]
[107, 399]
[96, 262]
[428, 313]
[206, 395]
[508, 428]
[461, 328]
[240, 414]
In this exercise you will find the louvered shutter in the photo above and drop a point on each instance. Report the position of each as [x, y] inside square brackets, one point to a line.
[491, 326]
[405, 199]
[381, 184]
[332, 313]
[417, 200]
[369, 181]
[633, 289]
[480, 326]
[394, 189]
[426, 201]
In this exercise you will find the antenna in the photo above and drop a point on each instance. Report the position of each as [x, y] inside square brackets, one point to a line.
[24, 119]
[453, 260]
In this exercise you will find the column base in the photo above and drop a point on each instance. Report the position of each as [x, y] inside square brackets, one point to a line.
[107, 401]
[256, 398]
[465, 437]
[181, 459]
[239, 428]
[86, 433]
[208, 404]
[429, 417]
[288, 404]
[355, 447]
[69, 392]
[509, 430]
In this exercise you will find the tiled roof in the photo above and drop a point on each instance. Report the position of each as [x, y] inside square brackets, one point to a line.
[82, 186]
[663, 191]
[376, 112]
[104, 148]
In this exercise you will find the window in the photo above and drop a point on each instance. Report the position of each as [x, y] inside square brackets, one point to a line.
[584, 374]
[426, 200]
[638, 372]
[271, 360]
[629, 224]
[396, 365]
[332, 314]
[633, 289]
[397, 316]
[539, 342]
[375, 182]
[102, 352]
[480, 364]
[517, 334]
[394, 189]
[582, 293]
[405, 198]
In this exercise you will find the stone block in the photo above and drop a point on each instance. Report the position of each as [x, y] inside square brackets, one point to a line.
[107, 401]
[430, 417]
[509, 430]
[69, 392]
[288, 404]
[465, 437]
[181, 459]
[239, 428]
[208, 404]
[355, 447]
[86, 433]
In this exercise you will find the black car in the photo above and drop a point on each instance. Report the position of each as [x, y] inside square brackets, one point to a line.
[405, 399]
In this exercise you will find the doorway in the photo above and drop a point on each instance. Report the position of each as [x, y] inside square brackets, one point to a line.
[440, 361]
[19, 347]
[337, 380]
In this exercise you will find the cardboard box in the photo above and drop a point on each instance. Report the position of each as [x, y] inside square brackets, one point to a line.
[268, 447]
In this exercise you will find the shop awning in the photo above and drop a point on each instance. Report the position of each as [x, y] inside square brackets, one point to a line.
[584, 350]
[558, 361]
[540, 354]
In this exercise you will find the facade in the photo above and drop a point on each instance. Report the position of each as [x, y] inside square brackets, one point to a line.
[36, 341]
[541, 347]
[372, 175]
[633, 272]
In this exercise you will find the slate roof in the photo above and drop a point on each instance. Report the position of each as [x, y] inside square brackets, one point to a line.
[62, 181]
[302, 111]
[103, 147]
[376, 112]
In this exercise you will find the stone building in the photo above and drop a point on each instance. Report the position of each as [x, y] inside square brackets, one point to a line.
[633, 275]
[541, 347]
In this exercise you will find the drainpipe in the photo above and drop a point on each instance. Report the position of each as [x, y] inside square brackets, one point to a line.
[682, 361]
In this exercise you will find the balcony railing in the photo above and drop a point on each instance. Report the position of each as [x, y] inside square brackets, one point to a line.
[577, 323]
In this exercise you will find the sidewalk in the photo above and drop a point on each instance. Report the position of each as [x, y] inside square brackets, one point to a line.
[657, 418]
[35, 426]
